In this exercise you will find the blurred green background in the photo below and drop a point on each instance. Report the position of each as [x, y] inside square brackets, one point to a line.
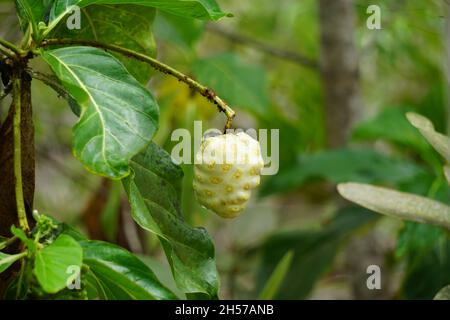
[273, 65]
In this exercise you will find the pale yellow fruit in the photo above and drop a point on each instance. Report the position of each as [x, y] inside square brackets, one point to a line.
[227, 168]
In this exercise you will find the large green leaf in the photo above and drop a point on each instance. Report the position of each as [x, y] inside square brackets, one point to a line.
[153, 192]
[240, 84]
[127, 26]
[397, 204]
[53, 263]
[118, 117]
[200, 9]
[361, 165]
[314, 252]
[117, 274]
[6, 260]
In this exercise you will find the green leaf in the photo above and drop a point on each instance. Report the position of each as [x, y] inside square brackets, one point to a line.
[180, 31]
[440, 142]
[443, 294]
[240, 84]
[426, 271]
[361, 165]
[106, 24]
[416, 237]
[32, 12]
[273, 284]
[6, 260]
[52, 263]
[200, 9]
[391, 125]
[118, 274]
[314, 252]
[118, 117]
[19, 233]
[153, 192]
[397, 204]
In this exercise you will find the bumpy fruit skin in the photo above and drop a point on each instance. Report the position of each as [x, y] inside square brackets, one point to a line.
[227, 167]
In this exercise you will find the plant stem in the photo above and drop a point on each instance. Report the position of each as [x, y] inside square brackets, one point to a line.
[8, 242]
[12, 47]
[157, 65]
[22, 215]
[6, 54]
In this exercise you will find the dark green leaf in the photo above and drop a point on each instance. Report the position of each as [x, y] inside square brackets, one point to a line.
[181, 31]
[53, 262]
[200, 9]
[391, 125]
[240, 84]
[118, 274]
[314, 252]
[127, 26]
[362, 165]
[118, 117]
[426, 268]
[153, 192]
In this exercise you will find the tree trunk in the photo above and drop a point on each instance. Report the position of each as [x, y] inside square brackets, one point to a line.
[8, 209]
[339, 68]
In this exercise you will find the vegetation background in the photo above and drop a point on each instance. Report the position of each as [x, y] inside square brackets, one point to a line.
[338, 92]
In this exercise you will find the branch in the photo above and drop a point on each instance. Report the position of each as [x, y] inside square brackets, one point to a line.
[5, 54]
[11, 47]
[263, 47]
[157, 65]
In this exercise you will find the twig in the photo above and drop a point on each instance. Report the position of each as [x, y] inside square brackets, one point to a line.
[263, 47]
[11, 47]
[5, 54]
[157, 65]
[8, 242]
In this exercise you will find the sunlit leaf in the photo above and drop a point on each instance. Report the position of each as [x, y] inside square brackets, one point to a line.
[118, 116]
[53, 263]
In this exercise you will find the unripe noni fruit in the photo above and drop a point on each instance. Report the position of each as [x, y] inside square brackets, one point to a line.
[227, 168]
